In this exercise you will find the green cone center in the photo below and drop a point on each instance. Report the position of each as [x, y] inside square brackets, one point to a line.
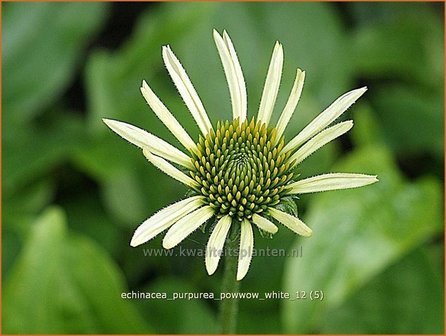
[240, 168]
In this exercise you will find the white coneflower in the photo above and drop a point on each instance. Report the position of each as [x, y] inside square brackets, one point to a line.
[239, 170]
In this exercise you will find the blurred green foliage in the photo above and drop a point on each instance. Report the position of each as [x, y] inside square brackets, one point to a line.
[73, 192]
[71, 279]
[356, 241]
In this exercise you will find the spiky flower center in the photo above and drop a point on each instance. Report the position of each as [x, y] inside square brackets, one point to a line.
[240, 168]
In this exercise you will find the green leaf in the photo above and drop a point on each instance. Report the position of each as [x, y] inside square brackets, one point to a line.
[125, 197]
[407, 298]
[412, 120]
[18, 214]
[102, 227]
[357, 234]
[41, 44]
[29, 201]
[64, 284]
[32, 151]
[11, 245]
[367, 130]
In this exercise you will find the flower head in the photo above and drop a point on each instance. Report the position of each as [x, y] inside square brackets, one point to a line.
[240, 171]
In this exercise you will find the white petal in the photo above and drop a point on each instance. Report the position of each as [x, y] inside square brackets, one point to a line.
[246, 248]
[186, 225]
[167, 118]
[325, 118]
[144, 139]
[291, 104]
[240, 78]
[186, 90]
[271, 87]
[264, 224]
[164, 218]
[234, 75]
[291, 222]
[320, 140]
[169, 169]
[334, 181]
[216, 243]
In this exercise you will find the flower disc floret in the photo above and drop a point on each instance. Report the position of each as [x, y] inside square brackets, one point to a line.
[240, 168]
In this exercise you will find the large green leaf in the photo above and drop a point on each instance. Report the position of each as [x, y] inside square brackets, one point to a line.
[41, 44]
[406, 299]
[64, 284]
[357, 234]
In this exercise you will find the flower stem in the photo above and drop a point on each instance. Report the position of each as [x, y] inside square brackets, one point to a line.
[229, 307]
